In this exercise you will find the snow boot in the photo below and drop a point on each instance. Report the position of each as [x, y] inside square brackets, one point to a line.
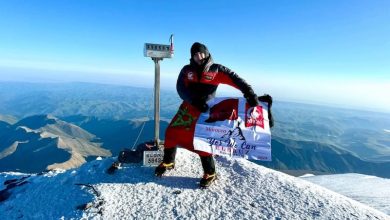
[209, 171]
[168, 162]
[114, 166]
[207, 180]
[160, 170]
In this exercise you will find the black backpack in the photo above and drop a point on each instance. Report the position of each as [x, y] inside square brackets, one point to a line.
[135, 155]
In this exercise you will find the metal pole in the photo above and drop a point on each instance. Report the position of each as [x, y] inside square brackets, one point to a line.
[157, 101]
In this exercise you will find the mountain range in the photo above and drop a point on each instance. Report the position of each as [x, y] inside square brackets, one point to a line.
[301, 157]
[43, 142]
[116, 134]
[65, 99]
[306, 138]
[362, 133]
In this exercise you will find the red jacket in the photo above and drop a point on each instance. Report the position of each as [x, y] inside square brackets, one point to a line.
[201, 83]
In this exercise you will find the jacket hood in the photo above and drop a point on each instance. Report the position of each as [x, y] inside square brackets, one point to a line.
[199, 48]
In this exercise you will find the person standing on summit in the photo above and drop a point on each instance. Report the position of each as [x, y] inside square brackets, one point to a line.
[196, 84]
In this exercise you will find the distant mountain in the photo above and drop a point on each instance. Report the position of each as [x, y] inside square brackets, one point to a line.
[360, 132]
[99, 100]
[118, 134]
[299, 157]
[8, 118]
[44, 142]
[313, 135]
[289, 155]
[4, 128]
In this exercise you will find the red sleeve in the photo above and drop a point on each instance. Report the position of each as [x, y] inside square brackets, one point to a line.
[224, 78]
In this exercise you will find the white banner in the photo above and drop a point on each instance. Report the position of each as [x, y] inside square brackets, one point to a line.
[232, 127]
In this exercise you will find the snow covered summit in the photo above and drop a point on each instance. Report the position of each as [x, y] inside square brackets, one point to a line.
[243, 190]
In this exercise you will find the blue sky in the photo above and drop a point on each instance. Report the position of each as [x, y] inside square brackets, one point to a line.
[330, 52]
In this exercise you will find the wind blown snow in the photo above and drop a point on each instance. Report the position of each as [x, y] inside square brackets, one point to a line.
[370, 190]
[243, 190]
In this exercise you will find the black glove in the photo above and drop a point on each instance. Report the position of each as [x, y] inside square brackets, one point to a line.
[201, 105]
[252, 100]
[268, 99]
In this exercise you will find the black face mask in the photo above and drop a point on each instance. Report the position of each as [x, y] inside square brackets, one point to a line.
[203, 62]
[199, 67]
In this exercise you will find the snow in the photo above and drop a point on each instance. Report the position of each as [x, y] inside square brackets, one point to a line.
[307, 175]
[26, 129]
[370, 190]
[243, 190]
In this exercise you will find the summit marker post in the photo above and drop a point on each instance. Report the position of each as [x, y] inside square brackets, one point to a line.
[158, 52]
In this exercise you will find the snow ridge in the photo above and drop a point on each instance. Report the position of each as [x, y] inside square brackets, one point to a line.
[243, 190]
